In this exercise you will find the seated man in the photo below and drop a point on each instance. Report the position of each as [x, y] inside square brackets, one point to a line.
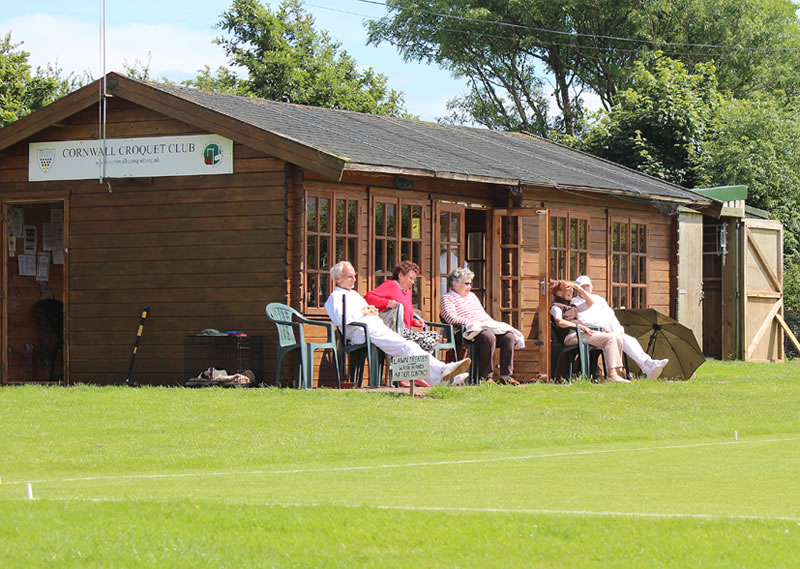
[344, 276]
[600, 314]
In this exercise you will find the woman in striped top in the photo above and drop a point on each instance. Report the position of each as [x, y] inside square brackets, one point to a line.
[461, 306]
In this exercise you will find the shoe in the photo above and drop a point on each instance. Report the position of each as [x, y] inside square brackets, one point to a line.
[508, 380]
[404, 383]
[655, 368]
[617, 379]
[459, 379]
[453, 369]
[421, 383]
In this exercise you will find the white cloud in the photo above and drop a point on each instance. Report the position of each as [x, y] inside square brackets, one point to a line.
[177, 51]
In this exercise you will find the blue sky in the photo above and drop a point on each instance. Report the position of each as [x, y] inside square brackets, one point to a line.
[178, 34]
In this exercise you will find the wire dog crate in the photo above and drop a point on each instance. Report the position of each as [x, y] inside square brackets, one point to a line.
[235, 354]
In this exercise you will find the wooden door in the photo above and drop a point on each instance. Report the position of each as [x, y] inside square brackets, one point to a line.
[3, 287]
[543, 311]
[690, 281]
[762, 289]
[449, 245]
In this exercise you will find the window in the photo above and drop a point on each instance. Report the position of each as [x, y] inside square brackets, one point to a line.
[397, 236]
[569, 246]
[628, 264]
[331, 236]
[451, 239]
[510, 270]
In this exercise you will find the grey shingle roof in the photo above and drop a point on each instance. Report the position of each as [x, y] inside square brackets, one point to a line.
[396, 144]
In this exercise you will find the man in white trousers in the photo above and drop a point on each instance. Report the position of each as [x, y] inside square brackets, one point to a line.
[344, 276]
[602, 315]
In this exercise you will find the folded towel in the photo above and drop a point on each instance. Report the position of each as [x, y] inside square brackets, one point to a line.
[497, 328]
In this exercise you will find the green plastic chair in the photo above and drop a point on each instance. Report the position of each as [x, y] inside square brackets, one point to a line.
[292, 338]
[585, 355]
[448, 341]
[357, 353]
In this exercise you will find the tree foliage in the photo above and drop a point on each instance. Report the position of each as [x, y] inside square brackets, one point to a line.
[756, 143]
[510, 50]
[661, 124]
[677, 126]
[23, 91]
[287, 59]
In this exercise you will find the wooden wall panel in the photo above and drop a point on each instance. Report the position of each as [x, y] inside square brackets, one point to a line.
[200, 251]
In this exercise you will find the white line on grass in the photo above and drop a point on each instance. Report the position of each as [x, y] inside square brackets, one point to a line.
[581, 513]
[462, 510]
[398, 465]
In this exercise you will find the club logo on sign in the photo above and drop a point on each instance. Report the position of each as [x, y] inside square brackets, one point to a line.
[212, 154]
[46, 156]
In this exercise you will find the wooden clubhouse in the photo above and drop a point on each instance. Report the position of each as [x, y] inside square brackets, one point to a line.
[208, 206]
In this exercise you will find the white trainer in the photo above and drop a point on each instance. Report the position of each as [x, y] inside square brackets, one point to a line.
[453, 369]
[459, 379]
[655, 368]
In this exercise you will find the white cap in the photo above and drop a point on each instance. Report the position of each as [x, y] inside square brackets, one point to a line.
[583, 280]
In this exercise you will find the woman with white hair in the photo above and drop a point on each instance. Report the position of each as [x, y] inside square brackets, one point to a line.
[461, 306]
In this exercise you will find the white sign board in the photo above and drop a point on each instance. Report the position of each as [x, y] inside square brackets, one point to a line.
[410, 368]
[196, 155]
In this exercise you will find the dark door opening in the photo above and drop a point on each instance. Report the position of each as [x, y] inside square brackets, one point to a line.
[33, 327]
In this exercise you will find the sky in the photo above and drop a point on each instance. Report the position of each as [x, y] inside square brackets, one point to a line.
[178, 36]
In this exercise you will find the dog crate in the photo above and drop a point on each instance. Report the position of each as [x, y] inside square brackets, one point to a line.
[235, 354]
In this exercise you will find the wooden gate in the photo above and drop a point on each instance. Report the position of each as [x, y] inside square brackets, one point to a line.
[762, 290]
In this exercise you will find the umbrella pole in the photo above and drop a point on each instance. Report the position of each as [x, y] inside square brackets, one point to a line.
[651, 342]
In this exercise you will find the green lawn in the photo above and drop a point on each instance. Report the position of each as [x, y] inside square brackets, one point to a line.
[653, 474]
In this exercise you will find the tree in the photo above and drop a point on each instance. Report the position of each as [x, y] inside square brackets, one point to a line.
[756, 143]
[510, 49]
[661, 124]
[22, 92]
[287, 59]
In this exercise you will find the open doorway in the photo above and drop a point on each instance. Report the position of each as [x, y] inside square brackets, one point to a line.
[33, 293]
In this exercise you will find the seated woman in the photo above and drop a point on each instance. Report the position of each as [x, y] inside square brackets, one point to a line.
[461, 306]
[397, 291]
[565, 316]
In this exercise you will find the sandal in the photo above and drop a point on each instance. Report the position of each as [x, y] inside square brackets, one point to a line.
[508, 381]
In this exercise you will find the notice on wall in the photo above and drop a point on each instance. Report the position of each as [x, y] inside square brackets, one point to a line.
[43, 266]
[30, 239]
[12, 246]
[16, 220]
[53, 241]
[26, 265]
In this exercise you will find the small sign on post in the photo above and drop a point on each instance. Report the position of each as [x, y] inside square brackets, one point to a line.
[409, 368]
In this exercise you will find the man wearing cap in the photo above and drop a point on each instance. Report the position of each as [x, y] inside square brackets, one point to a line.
[602, 315]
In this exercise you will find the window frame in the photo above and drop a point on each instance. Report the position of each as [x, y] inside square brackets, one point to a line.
[376, 276]
[634, 287]
[319, 274]
[569, 248]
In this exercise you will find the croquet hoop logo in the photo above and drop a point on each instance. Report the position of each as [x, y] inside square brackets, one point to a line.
[212, 154]
[46, 156]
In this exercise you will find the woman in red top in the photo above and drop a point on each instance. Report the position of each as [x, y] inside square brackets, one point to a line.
[397, 291]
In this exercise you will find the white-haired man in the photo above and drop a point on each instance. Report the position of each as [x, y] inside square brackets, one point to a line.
[602, 315]
[344, 276]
